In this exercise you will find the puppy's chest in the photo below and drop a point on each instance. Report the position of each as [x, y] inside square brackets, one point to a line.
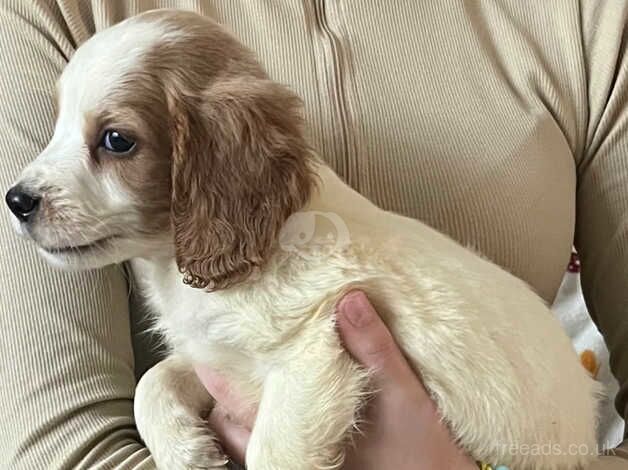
[243, 331]
[220, 330]
[209, 331]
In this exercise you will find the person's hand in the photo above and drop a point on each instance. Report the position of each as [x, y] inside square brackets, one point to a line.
[402, 428]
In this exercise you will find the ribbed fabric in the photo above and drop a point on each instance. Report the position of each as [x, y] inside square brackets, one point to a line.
[502, 123]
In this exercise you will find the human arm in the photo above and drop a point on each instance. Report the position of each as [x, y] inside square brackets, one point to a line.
[602, 192]
[67, 362]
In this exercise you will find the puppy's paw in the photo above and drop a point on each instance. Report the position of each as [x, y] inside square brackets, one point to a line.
[169, 405]
[189, 445]
[198, 449]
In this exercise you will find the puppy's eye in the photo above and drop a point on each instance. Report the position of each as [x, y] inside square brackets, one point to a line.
[115, 142]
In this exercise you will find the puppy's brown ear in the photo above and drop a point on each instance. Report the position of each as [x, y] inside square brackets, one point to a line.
[240, 168]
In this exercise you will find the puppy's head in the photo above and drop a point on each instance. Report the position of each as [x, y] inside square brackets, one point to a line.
[170, 141]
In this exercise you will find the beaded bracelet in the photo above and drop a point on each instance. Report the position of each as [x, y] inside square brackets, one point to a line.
[486, 466]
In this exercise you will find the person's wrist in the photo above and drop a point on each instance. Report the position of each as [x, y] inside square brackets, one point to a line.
[464, 462]
[458, 458]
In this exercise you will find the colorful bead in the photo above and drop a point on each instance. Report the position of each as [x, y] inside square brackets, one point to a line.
[574, 263]
[589, 361]
[486, 466]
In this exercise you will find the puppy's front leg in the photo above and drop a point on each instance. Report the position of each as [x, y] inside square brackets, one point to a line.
[170, 404]
[307, 412]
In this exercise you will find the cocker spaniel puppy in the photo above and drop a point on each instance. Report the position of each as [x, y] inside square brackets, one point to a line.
[175, 150]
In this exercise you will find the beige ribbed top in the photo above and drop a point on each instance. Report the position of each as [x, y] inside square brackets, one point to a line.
[503, 123]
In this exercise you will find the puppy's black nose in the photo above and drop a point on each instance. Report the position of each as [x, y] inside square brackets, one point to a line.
[21, 203]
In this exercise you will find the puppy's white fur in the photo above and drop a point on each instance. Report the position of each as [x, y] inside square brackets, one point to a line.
[502, 372]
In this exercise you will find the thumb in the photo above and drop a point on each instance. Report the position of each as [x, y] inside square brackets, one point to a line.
[369, 341]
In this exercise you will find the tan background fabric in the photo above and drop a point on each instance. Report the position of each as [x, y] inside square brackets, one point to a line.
[503, 123]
